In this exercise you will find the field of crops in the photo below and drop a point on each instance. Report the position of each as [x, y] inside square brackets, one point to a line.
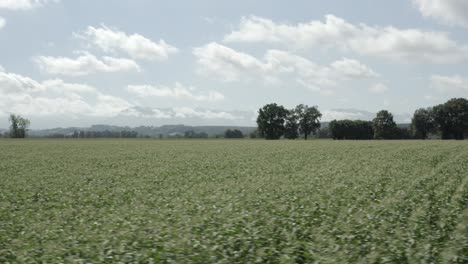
[205, 201]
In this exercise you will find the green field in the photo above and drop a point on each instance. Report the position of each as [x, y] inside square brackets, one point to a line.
[206, 201]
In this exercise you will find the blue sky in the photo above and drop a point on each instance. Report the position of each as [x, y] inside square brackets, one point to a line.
[77, 63]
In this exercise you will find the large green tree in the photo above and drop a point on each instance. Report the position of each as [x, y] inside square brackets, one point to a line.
[422, 122]
[309, 119]
[451, 118]
[270, 121]
[18, 126]
[384, 127]
[291, 128]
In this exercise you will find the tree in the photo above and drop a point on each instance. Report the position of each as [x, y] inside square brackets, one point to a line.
[233, 134]
[270, 121]
[309, 119]
[422, 123]
[451, 118]
[254, 134]
[384, 126]
[291, 128]
[19, 126]
[351, 129]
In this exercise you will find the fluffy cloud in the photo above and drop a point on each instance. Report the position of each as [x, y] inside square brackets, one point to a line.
[2, 22]
[230, 65]
[84, 64]
[449, 83]
[181, 113]
[135, 45]
[225, 62]
[378, 88]
[178, 91]
[341, 114]
[388, 42]
[23, 4]
[26, 96]
[353, 68]
[452, 12]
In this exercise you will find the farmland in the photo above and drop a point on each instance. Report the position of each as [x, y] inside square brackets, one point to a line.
[204, 201]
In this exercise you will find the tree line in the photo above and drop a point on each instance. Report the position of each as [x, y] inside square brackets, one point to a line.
[275, 121]
[448, 120]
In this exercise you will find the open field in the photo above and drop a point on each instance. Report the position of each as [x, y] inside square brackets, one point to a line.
[233, 201]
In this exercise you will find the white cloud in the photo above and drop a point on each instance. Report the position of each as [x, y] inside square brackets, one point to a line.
[329, 115]
[135, 45]
[451, 12]
[2, 22]
[1, 68]
[389, 42]
[84, 64]
[230, 65]
[23, 4]
[226, 62]
[178, 91]
[26, 96]
[449, 83]
[186, 112]
[353, 68]
[378, 88]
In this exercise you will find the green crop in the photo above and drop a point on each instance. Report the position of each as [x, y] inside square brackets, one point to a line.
[244, 201]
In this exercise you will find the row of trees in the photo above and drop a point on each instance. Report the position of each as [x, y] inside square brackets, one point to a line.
[234, 133]
[275, 121]
[381, 127]
[450, 120]
[105, 134]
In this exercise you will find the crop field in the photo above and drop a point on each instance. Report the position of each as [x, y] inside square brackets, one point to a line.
[244, 201]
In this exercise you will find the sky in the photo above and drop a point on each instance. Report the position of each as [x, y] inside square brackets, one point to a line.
[211, 62]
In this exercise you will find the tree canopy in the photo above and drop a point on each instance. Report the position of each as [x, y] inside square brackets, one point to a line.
[270, 121]
[309, 119]
[18, 126]
[384, 126]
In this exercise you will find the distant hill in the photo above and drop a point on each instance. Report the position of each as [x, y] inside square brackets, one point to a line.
[151, 131]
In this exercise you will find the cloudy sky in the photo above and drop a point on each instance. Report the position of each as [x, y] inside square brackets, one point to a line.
[149, 62]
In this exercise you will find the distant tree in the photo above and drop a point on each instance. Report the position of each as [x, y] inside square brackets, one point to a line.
[384, 126]
[193, 134]
[254, 134]
[324, 132]
[451, 118]
[422, 123]
[351, 129]
[270, 121]
[308, 118]
[291, 127]
[160, 136]
[235, 133]
[18, 126]
[404, 133]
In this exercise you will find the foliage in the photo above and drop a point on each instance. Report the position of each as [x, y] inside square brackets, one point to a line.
[235, 133]
[351, 129]
[291, 127]
[309, 119]
[422, 123]
[19, 126]
[225, 201]
[193, 134]
[270, 121]
[384, 127]
[451, 118]
[254, 134]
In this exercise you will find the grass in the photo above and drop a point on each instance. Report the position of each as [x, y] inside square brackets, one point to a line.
[204, 201]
